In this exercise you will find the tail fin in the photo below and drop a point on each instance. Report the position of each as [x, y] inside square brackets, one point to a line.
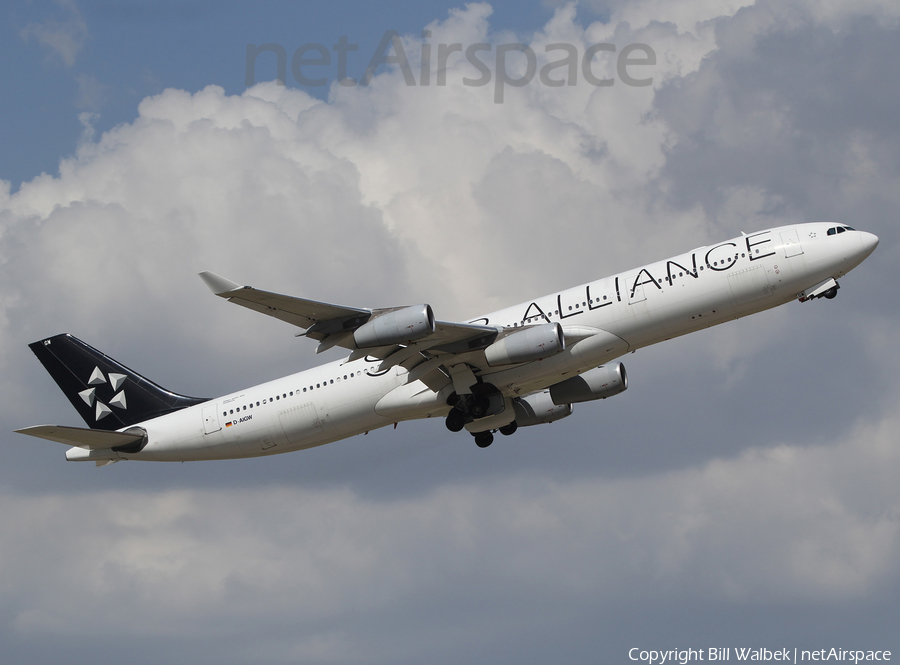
[108, 395]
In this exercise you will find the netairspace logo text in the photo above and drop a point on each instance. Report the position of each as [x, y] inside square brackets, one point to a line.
[719, 654]
[514, 64]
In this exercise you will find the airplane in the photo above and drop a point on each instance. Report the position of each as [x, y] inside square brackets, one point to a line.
[518, 367]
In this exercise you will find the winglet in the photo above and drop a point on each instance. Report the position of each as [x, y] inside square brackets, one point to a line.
[218, 285]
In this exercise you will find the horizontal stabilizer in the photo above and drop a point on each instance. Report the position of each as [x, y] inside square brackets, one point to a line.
[89, 439]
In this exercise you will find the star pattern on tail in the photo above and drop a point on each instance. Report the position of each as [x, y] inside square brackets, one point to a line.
[97, 380]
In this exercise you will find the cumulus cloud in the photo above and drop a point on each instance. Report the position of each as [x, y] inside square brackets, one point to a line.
[393, 194]
[789, 524]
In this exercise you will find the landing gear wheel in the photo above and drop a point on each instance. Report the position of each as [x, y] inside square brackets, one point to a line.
[456, 420]
[830, 293]
[506, 430]
[479, 406]
[484, 439]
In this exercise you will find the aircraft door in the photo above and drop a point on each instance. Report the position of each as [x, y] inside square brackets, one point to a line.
[791, 243]
[749, 285]
[301, 422]
[211, 419]
[631, 288]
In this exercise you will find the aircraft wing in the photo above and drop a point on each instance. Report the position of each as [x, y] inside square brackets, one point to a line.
[436, 352]
[334, 325]
[296, 311]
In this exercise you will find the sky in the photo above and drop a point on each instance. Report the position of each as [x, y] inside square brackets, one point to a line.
[741, 493]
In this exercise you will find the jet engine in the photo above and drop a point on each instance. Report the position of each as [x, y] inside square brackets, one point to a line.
[598, 383]
[531, 343]
[401, 326]
[538, 409]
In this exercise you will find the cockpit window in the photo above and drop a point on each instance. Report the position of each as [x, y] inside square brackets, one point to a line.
[839, 229]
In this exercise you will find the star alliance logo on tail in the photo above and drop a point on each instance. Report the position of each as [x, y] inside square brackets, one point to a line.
[90, 395]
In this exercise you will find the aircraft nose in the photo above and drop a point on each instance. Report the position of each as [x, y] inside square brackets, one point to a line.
[869, 242]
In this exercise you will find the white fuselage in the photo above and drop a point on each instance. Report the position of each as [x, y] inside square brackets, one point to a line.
[605, 319]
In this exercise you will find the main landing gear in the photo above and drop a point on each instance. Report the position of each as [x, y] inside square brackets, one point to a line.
[483, 439]
[507, 430]
[469, 408]
[486, 438]
[456, 420]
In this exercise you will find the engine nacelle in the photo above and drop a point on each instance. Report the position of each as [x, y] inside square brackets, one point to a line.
[538, 409]
[532, 343]
[598, 383]
[398, 327]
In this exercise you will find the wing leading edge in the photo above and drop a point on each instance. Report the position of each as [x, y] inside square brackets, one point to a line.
[336, 325]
